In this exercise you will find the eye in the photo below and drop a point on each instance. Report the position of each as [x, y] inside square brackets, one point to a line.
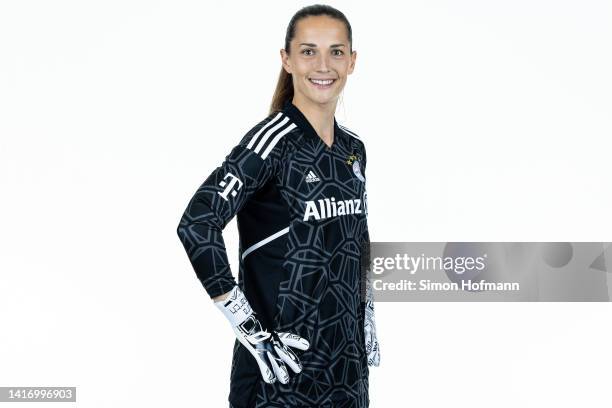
[307, 50]
[338, 52]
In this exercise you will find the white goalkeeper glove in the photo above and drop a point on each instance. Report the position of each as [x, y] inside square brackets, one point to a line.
[270, 349]
[371, 342]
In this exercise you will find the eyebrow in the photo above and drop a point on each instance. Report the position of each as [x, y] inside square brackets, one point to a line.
[315, 45]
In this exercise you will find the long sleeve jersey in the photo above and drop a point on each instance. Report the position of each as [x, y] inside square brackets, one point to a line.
[303, 241]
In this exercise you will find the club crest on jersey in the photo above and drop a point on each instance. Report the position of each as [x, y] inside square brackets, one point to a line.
[352, 158]
[357, 170]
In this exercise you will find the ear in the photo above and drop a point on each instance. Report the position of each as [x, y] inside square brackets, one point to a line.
[285, 60]
[352, 64]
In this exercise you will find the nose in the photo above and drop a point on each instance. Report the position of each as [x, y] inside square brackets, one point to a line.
[322, 63]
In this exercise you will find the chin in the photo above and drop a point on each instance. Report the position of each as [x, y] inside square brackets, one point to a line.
[323, 100]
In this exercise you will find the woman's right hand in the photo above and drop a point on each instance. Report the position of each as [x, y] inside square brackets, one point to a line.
[271, 350]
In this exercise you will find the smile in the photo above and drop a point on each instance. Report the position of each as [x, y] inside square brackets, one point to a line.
[322, 83]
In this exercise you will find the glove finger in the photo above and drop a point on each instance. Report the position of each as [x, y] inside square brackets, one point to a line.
[289, 358]
[293, 340]
[279, 368]
[266, 371]
[259, 356]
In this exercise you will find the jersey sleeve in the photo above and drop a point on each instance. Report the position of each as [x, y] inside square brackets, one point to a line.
[248, 166]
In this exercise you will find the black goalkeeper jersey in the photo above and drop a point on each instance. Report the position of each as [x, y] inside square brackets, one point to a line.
[302, 220]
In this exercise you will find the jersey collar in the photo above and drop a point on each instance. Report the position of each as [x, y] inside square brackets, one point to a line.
[299, 119]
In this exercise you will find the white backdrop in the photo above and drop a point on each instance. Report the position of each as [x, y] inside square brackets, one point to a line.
[483, 120]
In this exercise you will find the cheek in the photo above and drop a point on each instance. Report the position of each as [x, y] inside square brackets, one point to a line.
[342, 67]
[302, 68]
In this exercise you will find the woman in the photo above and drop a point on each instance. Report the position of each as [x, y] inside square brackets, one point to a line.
[301, 311]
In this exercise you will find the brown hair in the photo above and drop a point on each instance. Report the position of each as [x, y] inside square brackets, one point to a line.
[284, 86]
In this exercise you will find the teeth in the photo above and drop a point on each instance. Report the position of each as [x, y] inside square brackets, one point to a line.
[322, 82]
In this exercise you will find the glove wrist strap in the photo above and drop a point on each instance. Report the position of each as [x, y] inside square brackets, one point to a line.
[235, 307]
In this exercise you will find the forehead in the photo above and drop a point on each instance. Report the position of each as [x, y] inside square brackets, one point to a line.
[320, 30]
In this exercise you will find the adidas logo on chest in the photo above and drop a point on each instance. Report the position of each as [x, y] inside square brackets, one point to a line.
[311, 177]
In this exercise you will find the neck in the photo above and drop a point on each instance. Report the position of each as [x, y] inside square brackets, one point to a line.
[320, 116]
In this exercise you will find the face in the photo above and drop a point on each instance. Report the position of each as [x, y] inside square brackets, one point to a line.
[320, 59]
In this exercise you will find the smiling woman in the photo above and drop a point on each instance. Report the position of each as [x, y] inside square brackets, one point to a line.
[317, 59]
[302, 309]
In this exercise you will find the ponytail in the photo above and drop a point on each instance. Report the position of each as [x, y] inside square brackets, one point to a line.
[283, 92]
